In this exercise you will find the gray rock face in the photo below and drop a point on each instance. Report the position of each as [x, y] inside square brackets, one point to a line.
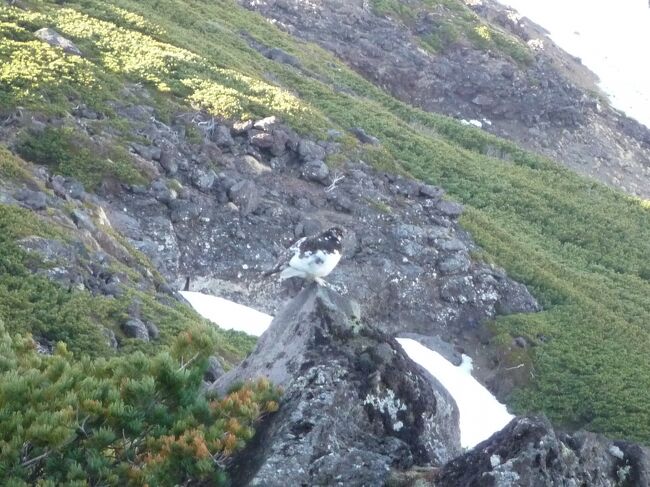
[203, 180]
[221, 136]
[282, 56]
[135, 328]
[316, 171]
[150, 152]
[364, 137]
[263, 140]
[405, 259]
[310, 151]
[245, 195]
[529, 452]
[354, 405]
[53, 38]
[35, 200]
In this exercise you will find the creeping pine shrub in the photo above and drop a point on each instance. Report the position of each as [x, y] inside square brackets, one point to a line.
[132, 420]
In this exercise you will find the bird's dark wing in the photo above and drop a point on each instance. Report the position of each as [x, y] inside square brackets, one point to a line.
[284, 257]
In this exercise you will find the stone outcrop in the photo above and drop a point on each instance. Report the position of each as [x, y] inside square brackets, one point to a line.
[406, 259]
[354, 405]
[356, 411]
[529, 452]
[55, 39]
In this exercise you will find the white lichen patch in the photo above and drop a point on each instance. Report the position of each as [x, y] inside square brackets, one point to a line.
[495, 460]
[616, 452]
[504, 475]
[388, 404]
[623, 473]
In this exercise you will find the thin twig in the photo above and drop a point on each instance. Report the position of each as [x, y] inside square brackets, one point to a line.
[35, 459]
[189, 361]
[515, 367]
[337, 177]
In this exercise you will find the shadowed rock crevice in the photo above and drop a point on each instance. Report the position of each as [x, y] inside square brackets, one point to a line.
[354, 407]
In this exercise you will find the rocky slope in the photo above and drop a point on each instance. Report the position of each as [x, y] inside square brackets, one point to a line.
[354, 405]
[405, 257]
[356, 411]
[440, 57]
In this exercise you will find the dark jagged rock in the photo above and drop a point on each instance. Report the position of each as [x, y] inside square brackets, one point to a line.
[364, 137]
[310, 151]
[150, 152]
[528, 452]
[354, 404]
[214, 370]
[245, 195]
[316, 171]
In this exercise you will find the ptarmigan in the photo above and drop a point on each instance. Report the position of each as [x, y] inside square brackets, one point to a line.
[311, 258]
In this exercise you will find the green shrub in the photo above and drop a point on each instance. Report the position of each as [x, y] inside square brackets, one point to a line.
[133, 421]
[11, 167]
[70, 153]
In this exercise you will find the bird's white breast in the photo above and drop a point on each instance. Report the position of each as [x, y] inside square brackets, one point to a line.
[316, 264]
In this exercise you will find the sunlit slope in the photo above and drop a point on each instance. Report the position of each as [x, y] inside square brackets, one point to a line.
[583, 249]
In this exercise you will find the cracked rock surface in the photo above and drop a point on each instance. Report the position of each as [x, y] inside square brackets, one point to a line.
[354, 405]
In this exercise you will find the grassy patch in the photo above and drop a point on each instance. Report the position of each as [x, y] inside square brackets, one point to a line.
[70, 153]
[137, 420]
[11, 167]
[31, 303]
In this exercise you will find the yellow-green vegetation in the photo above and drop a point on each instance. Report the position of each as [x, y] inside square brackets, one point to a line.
[69, 153]
[583, 249]
[135, 420]
[104, 417]
[453, 22]
[11, 167]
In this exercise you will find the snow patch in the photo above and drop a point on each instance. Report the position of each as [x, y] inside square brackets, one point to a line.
[228, 314]
[616, 452]
[481, 415]
[474, 123]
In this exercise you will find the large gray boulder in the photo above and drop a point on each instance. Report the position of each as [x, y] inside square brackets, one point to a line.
[528, 452]
[354, 405]
[55, 39]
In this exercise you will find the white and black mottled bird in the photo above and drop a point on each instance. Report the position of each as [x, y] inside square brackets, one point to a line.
[311, 258]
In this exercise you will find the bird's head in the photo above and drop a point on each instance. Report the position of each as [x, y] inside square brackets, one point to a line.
[334, 233]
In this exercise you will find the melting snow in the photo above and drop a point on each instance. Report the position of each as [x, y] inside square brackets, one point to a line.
[481, 414]
[227, 314]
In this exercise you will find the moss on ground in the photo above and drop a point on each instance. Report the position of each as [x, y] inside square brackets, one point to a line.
[583, 249]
